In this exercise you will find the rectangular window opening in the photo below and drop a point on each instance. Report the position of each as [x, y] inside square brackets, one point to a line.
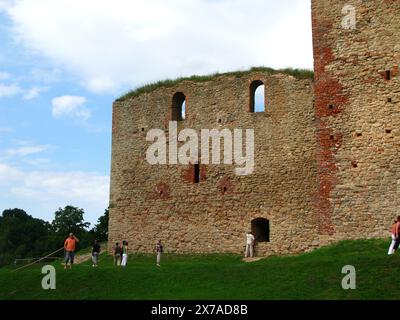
[197, 173]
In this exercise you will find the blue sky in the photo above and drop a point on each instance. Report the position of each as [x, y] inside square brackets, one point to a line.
[62, 63]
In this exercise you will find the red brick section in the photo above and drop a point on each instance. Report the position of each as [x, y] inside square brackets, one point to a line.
[394, 72]
[162, 190]
[188, 173]
[329, 101]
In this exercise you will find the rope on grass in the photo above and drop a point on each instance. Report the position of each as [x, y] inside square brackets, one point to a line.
[30, 264]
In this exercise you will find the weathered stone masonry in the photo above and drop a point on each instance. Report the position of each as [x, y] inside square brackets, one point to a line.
[357, 112]
[326, 159]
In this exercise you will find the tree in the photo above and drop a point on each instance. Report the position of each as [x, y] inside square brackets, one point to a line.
[70, 220]
[22, 236]
[101, 228]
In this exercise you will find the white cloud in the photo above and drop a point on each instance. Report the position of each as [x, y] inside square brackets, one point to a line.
[79, 187]
[33, 93]
[5, 4]
[14, 89]
[50, 190]
[9, 174]
[70, 106]
[46, 76]
[112, 45]
[24, 151]
[9, 90]
[38, 162]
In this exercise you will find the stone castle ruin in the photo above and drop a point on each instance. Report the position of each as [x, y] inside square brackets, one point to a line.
[327, 163]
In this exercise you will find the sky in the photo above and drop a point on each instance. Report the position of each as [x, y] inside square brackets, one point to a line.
[63, 63]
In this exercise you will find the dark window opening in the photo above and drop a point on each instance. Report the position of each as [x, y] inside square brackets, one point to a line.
[196, 173]
[331, 106]
[388, 131]
[225, 189]
[260, 229]
[359, 134]
[332, 137]
[388, 75]
[354, 164]
[389, 100]
[142, 129]
[178, 107]
[257, 96]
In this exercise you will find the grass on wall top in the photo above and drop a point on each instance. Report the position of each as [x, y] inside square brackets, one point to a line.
[297, 73]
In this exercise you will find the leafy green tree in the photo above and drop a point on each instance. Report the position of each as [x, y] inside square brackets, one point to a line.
[70, 219]
[101, 228]
[22, 236]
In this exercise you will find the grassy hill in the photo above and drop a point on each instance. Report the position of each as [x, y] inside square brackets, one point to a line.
[315, 275]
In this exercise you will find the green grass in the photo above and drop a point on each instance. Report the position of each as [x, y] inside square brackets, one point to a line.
[298, 73]
[315, 275]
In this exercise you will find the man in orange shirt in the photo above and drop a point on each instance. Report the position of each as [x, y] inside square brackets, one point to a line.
[70, 246]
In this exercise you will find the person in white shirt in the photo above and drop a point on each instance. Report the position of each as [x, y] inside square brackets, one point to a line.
[249, 245]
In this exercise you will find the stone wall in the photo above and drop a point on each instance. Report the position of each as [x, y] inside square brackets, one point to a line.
[150, 202]
[326, 152]
[358, 121]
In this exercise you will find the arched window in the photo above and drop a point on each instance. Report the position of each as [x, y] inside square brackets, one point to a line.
[178, 107]
[257, 96]
[260, 229]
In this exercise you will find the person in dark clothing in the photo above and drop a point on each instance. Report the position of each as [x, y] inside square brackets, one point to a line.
[95, 253]
[117, 250]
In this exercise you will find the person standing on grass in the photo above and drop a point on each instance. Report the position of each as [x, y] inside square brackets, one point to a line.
[117, 250]
[95, 253]
[394, 235]
[159, 250]
[249, 245]
[397, 235]
[70, 247]
[124, 253]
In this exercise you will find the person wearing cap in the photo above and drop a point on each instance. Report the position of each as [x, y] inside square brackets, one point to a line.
[249, 244]
[70, 247]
